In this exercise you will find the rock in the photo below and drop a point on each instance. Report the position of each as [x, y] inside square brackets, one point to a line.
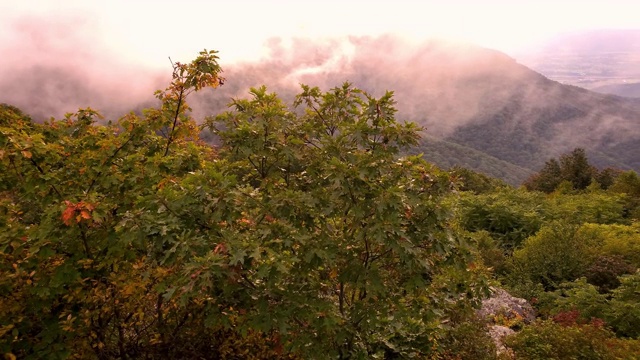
[498, 333]
[503, 309]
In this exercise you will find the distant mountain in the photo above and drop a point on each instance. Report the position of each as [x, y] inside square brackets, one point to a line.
[480, 108]
[626, 90]
[479, 99]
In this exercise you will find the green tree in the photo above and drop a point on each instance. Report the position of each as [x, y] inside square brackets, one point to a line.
[304, 233]
[508, 215]
[559, 252]
[628, 183]
[345, 242]
[607, 177]
[547, 179]
[573, 167]
[476, 182]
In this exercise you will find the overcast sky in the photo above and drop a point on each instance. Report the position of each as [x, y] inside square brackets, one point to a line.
[146, 32]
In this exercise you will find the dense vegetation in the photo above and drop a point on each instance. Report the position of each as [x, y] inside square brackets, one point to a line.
[305, 234]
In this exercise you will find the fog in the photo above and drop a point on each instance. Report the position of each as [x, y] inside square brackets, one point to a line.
[52, 66]
[457, 91]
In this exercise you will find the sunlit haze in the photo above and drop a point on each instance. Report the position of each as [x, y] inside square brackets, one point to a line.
[149, 31]
[57, 56]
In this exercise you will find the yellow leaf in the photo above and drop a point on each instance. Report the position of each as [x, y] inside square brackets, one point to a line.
[333, 274]
[26, 154]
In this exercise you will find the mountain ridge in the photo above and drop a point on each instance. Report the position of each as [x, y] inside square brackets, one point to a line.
[471, 99]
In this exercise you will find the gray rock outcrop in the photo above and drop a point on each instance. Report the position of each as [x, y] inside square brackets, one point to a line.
[502, 305]
[502, 310]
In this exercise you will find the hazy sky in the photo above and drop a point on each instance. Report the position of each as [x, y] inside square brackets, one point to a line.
[146, 32]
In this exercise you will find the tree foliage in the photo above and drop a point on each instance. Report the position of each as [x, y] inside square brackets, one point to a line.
[331, 206]
[305, 234]
[573, 167]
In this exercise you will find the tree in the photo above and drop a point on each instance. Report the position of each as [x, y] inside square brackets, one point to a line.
[573, 167]
[344, 246]
[557, 253]
[301, 235]
[476, 182]
[547, 179]
[508, 215]
[628, 183]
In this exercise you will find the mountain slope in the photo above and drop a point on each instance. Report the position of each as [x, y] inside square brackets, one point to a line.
[447, 155]
[486, 111]
[485, 100]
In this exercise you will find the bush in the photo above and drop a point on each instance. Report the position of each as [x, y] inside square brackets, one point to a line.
[605, 270]
[509, 215]
[587, 207]
[559, 252]
[619, 240]
[469, 340]
[579, 298]
[489, 251]
[546, 340]
[620, 309]
[623, 312]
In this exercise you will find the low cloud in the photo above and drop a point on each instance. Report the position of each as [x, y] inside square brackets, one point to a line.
[52, 66]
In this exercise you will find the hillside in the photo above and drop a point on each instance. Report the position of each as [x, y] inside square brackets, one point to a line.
[448, 154]
[478, 103]
[473, 97]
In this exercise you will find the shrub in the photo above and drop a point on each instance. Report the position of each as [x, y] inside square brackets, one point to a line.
[508, 215]
[623, 312]
[547, 340]
[559, 252]
[604, 272]
[578, 298]
[619, 240]
[489, 251]
[469, 340]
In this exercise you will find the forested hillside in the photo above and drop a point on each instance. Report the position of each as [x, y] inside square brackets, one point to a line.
[477, 98]
[310, 231]
[449, 155]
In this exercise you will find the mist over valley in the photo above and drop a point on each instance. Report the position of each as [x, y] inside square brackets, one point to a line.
[479, 107]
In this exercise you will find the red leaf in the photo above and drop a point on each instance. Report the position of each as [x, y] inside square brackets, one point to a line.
[68, 213]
